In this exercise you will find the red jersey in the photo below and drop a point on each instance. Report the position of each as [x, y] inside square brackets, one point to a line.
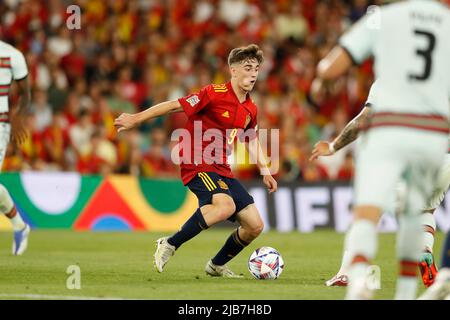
[215, 119]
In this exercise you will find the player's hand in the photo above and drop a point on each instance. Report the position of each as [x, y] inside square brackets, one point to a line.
[270, 183]
[19, 132]
[125, 121]
[321, 148]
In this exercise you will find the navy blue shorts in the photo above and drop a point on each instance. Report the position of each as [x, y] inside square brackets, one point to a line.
[206, 184]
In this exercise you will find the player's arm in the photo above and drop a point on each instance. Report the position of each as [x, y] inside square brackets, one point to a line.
[190, 104]
[256, 153]
[354, 47]
[20, 75]
[18, 129]
[24, 89]
[127, 121]
[347, 136]
[335, 64]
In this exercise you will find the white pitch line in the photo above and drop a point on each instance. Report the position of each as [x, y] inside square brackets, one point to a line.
[53, 297]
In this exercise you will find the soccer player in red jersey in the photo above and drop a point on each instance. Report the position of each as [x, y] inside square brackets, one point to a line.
[217, 114]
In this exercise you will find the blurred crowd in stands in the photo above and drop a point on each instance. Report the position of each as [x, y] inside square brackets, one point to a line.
[131, 54]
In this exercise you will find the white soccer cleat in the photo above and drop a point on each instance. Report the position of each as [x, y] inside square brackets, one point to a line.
[163, 252]
[440, 289]
[20, 242]
[339, 280]
[220, 271]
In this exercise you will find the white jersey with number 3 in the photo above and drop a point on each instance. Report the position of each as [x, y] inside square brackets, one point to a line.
[12, 67]
[410, 41]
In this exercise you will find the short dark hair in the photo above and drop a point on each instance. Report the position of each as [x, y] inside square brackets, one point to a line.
[243, 54]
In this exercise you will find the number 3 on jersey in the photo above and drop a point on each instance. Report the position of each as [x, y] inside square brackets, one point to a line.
[425, 54]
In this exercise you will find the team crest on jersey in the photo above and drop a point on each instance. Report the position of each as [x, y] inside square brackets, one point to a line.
[222, 184]
[193, 100]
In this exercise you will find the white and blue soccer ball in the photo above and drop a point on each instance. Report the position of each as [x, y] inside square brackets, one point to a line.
[265, 263]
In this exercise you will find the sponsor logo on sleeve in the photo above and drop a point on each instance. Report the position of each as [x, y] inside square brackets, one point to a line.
[193, 100]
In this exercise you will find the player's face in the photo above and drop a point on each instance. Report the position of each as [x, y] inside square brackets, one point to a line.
[246, 74]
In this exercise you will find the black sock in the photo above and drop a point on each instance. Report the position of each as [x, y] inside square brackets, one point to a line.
[230, 249]
[190, 229]
[446, 252]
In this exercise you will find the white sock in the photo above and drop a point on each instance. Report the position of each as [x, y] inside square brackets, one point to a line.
[7, 206]
[344, 263]
[6, 202]
[361, 240]
[429, 220]
[406, 288]
[17, 222]
[410, 244]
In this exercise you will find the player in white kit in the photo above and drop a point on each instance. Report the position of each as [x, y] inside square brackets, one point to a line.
[408, 128]
[13, 67]
[349, 134]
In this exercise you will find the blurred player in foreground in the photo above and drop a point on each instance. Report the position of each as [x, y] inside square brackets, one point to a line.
[407, 135]
[13, 67]
[349, 134]
[222, 112]
[440, 289]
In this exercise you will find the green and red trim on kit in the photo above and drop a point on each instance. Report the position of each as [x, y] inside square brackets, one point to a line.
[435, 123]
[5, 62]
[4, 117]
[408, 268]
[4, 90]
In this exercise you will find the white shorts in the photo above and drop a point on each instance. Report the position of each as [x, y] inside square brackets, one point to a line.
[5, 133]
[388, 155]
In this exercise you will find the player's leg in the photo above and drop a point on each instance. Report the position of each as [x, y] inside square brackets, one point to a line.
[21, 229]
[410, 244]
[221, 207]
[375, 159]
[340, 279]
[215, 205]
[440, 289]
[251, 226]
[7, 207]
[427, 264]
[361, 243]
[429, 228]
[420, 176]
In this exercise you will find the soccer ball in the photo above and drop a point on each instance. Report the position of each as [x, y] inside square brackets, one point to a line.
[265, 263]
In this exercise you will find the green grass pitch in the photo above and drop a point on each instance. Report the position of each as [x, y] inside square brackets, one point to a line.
[120, 265]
